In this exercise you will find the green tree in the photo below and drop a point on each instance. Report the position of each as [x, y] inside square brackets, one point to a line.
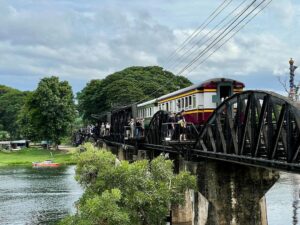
[11, 102]
[25, 123]
[116, 193]
[50, 110]
[127, 86]
[90, 99]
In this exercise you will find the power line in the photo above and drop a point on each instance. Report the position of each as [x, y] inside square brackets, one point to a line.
[228, 39]
[200, 29]
[162, 86]
[195, 33]
[186, 55]
[218, 37]
[197, 58]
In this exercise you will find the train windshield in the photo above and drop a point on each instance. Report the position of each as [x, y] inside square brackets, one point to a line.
[225, 91]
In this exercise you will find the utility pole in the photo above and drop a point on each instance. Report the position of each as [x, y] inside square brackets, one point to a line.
[292, 94]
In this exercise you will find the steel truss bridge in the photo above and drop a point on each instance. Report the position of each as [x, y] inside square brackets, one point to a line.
[256, 128]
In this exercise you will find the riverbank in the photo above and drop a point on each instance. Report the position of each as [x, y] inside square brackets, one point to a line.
[29, 155]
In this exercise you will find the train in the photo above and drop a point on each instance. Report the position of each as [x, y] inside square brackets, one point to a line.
[195, 103]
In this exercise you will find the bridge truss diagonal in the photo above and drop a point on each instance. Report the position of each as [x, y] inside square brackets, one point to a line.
[253, 127]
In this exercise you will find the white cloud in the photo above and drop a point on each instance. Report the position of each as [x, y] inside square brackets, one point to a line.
[84, 40]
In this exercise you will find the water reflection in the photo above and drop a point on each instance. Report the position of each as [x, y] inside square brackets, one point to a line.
[283, 200]
[235, 194]
[30, 196]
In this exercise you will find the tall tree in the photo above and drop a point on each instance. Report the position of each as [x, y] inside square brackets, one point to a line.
[124, 87]
[11, 102]
[121, 193]
[90, 99]
[50, 109]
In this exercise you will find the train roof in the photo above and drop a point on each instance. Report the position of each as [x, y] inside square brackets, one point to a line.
[206, 84]
[147, 103]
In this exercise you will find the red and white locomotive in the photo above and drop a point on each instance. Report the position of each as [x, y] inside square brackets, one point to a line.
[196, 102]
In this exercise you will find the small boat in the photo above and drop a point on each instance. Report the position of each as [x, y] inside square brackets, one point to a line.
[45, 164]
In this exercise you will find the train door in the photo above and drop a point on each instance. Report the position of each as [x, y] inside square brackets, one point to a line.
[224, 91]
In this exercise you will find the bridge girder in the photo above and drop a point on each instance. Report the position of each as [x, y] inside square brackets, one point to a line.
[255, 126]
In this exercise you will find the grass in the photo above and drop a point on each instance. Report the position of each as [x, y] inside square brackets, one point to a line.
[29, 155]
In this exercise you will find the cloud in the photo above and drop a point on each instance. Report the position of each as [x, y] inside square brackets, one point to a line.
[83, 40]
[286, 11]
[77, 44]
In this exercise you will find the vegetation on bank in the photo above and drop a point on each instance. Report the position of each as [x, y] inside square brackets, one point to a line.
[123, 193]
[11, 102]
[29, 155]
[125, 87]
[49, 113]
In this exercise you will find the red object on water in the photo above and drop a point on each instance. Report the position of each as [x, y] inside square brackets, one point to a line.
[46, 163]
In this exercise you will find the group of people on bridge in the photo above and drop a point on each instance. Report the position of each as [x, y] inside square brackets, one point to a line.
[105, 129]
[85, 133]
[177, 127]
[135, 128]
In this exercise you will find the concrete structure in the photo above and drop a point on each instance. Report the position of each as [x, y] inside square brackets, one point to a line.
[228, 194]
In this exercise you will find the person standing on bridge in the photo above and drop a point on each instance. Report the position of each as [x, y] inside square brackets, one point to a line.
[102, 130]
[132, 126]
[142, 120]
[182, 127]
[107, 129]
[171, 125]
[137, 128]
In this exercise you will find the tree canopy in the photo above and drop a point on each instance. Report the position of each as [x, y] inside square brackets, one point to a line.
[11, 102]
[49, 111]
[127, 86]
[122, 193]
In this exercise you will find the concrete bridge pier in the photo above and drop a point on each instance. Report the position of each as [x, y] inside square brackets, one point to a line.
[229, 194]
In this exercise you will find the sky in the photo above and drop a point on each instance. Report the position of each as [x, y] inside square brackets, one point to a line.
[83, 40]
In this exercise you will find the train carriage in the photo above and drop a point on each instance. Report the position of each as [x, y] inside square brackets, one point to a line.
[196, 102]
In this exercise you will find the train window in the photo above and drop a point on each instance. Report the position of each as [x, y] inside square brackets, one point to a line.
[167, 106]
[194, 101]
[190, 101]
[179, 104]
[150, 111]
[224, 92]
[182, 103]
[186, 102]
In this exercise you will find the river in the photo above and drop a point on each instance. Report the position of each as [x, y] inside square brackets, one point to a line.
[30, 196]
[36, 196]
[283, 200]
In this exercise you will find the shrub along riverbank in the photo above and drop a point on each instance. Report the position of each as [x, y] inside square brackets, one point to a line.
[29, 155]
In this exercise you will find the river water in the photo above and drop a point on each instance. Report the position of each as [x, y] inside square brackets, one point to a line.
[36, 196]
[283, 201]
[30, 196]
